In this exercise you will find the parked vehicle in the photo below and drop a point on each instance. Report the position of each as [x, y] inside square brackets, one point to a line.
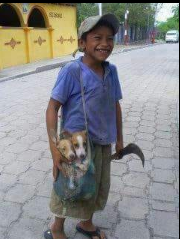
[172, 36]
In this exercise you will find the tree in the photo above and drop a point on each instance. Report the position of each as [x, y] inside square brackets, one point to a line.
[176, 13]
[85, 10]
[141, 15]
[118, 9]
[171, 23]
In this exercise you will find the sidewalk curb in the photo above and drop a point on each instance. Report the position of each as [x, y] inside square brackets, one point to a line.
[38, 70]
[137, 48]
[61, 64]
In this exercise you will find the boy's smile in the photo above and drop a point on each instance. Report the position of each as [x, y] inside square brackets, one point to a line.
[99, 44]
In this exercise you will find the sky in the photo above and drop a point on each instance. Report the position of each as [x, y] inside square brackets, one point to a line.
[166, 11]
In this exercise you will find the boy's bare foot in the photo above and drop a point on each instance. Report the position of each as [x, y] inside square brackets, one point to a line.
[89, 227]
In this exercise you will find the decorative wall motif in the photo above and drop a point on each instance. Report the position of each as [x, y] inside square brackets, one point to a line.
[62, 40]
[40, 41]
[12, 43]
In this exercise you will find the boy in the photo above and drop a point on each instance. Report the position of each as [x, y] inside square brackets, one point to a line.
[102, 95]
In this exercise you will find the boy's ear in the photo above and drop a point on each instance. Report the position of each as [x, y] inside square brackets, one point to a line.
[81, 44]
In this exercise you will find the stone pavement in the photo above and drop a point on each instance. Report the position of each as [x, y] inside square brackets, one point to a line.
[143, 203]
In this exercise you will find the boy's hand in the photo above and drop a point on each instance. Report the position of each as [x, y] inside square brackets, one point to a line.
[57, 164]
[119, 146]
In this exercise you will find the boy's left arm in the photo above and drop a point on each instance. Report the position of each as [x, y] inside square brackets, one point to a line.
[119, 143]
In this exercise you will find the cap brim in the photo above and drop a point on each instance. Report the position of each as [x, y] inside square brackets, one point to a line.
[112, 20]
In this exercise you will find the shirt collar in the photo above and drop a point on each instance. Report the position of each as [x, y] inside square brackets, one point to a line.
[106, 66]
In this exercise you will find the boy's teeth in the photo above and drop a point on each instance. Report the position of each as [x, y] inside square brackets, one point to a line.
[103, 50]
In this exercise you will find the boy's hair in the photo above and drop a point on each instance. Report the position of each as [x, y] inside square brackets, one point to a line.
[101, 23]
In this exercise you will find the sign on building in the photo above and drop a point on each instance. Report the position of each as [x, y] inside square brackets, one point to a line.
[25, 7]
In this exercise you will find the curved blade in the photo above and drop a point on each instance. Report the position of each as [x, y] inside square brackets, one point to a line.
[130, 149]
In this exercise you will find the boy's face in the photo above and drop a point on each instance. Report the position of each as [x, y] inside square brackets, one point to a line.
[99, 43]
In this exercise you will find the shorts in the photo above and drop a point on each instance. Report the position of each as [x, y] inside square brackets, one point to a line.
[84, 209]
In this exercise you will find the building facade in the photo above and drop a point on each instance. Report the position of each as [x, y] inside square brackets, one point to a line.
[31, 32]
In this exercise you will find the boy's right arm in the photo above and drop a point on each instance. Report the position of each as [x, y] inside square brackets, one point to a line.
[51, 123]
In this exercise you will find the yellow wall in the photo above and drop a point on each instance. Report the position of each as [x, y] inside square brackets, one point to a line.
[39, 44]
[58, 39]
[13, 47]
[65, 28]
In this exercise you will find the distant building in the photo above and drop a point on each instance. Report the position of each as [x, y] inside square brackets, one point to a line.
[35, 31]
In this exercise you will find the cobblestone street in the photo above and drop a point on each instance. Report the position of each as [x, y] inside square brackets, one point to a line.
[143, 203]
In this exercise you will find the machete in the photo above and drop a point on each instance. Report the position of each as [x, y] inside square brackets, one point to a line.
[130, 149]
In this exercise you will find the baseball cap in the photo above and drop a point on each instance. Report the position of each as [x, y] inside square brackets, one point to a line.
[90, 22]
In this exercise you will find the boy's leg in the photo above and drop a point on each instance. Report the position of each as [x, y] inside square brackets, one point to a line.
[90, 227]
[102, 164]
[57, 229]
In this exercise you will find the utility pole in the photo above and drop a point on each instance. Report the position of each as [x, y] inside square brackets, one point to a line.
[148, 24]
[100, 9]
[147, 28]
[126, 37]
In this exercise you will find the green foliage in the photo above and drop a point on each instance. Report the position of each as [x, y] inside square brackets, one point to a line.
[176, 13]
[85, 10]
[118, 9]
[171, 24]
[140, 14]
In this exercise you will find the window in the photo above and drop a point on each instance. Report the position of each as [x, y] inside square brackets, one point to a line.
[171, 34]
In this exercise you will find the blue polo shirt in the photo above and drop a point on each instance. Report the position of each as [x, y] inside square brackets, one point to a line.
[101, 96]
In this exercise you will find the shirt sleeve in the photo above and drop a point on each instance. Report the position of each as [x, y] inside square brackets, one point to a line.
[63, 86]
[118, 91]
